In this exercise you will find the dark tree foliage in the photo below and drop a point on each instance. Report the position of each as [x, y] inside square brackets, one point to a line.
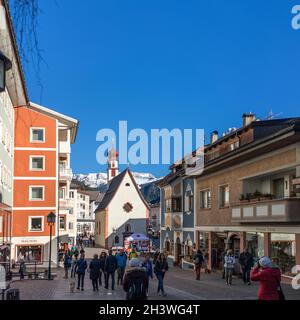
[25, 14]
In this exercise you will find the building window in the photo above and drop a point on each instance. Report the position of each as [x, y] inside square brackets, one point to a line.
[62, 223]
[205, 199]
[128, 228]
[71, 226]
[36, 193]
[37, 163]
[37, 135]
[36, 223]
[127, 184]
[176, 204]
[224, 196]
[61, 193]
[71, 194]
[168, 204]
[117, 240]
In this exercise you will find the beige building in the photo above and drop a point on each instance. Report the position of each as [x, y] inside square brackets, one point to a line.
[247, 195]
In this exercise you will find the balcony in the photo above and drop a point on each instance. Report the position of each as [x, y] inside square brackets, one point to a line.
[65, 174]
[278, 210]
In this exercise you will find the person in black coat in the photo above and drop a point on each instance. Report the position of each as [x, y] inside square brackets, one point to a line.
[247, 262]
[160, 269]
[102, 259]
[110, 267]
[94, 272]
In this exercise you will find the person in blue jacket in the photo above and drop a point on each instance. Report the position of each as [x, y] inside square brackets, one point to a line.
[81, 268]
[122, 261]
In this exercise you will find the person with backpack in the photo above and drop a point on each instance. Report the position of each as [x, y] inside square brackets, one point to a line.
[269, 277]
[229, 267]
[198, 261]
[122, 260]
[110, 267]
[81, 268]
[67, 264]
[147, 264]
[160, 269]
[135, 282]
[95, 271]
[246, 262]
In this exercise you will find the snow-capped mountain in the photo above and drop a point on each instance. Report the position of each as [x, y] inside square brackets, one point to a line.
[96, 180]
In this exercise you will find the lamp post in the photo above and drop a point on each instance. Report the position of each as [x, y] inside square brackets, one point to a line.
[5, 65]
[150, 234]
[51, 221]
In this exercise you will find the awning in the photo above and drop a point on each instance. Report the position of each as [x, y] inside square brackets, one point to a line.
[137, 237]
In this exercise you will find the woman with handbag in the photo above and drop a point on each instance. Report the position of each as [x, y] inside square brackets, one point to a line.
[269, 277]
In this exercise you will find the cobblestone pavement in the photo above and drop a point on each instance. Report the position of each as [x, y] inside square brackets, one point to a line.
[179, 285]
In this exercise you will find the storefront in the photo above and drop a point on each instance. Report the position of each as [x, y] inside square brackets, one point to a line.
[30, 254]
[255, 244]
[283, 251]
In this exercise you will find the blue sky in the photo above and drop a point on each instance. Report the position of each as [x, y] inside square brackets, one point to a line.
[165, 64]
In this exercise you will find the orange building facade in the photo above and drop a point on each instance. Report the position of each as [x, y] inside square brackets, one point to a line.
[37, 159]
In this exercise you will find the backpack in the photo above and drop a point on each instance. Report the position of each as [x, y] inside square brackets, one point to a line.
[136, 290]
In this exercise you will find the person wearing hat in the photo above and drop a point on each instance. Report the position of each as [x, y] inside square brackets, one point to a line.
[269, 277]
[135, 282]
[229, 262]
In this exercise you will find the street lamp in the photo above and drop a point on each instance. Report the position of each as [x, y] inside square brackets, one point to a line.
[5, 65]
[150, 234]
[51, 221]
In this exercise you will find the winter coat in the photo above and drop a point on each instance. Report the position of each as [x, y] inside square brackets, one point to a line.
[67, 261]
[111, 264]
[81, 266]
[121, 260]
[198, 259]
[246, 260]
[132, 275]
[161, 267]
[102, 263]
[269, 282]
[148, 267]
[95, 269]
[229, 262]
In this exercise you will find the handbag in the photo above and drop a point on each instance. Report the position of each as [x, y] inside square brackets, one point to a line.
[280, 293]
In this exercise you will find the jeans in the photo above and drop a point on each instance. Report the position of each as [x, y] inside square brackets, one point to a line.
[160, 277]
[228, 275]
[246, 274]
[95, 284]
[66, 272]
[80, 280]
[198, 271]
[112, 275]
[73, 271]
[100, 278]
[121, 271]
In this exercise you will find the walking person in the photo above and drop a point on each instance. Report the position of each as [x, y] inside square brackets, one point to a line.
[102, 259]
[111, 265]
[246, 262]
[81, 268]
[198, 261]
[121, 260]
[147, 265]
[95, 266]
[135, 282]
[67, 264]
[74, 265]
[269, 277]
[160, 269]
[229, 266]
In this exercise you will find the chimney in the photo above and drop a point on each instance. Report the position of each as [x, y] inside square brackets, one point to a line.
[214, 136]
[248, 118]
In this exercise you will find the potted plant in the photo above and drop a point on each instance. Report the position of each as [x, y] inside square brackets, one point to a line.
[257, 195]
